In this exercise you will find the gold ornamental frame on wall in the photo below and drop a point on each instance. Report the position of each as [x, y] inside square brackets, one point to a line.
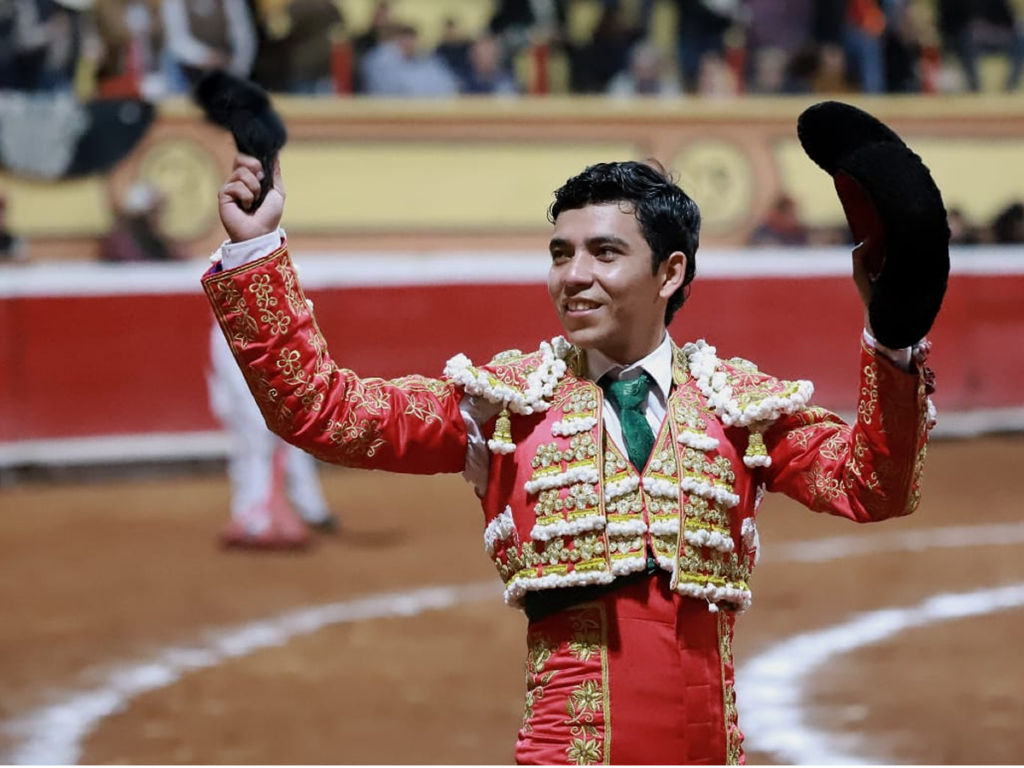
[188, 176]
[719, 176]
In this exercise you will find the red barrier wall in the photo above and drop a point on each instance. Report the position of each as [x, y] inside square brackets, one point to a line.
[132, 362]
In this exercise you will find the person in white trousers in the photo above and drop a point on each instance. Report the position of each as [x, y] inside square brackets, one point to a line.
[275, 488]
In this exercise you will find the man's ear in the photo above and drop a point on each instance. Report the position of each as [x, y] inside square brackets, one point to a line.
[673, 272]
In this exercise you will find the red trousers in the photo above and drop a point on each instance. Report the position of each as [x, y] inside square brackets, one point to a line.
[641, 675]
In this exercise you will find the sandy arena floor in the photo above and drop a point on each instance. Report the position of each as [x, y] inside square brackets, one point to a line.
[128, 637]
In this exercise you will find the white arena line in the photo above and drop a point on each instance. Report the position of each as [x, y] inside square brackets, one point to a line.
[771, 687]
[53, 735]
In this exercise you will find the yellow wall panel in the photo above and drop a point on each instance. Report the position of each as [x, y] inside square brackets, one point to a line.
[63, 208]
[979, 176]
[463, 187]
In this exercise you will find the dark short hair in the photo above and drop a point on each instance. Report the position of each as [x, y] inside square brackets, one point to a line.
[669, 219]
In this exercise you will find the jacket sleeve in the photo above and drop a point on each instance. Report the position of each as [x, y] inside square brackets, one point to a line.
[411, 424]
[865, 472]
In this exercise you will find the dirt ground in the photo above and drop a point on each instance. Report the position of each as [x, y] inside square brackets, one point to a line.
[102, 577]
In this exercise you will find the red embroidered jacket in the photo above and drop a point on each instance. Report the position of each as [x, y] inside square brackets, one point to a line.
[563, 507]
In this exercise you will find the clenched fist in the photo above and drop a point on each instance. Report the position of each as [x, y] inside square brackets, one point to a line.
[240, 191]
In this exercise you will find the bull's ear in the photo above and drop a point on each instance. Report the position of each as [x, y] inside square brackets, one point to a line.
[244, 108]
[890, 200]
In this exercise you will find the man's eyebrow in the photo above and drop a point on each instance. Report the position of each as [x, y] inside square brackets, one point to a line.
[558, 243]
[607, 240]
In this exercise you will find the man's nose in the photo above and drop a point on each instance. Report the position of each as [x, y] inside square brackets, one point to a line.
[579, 270]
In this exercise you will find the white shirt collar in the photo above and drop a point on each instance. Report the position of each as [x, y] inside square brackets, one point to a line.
[658, 364]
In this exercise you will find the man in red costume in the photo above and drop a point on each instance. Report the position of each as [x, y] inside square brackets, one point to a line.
[619, 473]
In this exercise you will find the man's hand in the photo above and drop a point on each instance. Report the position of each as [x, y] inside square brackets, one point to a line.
[240, 191]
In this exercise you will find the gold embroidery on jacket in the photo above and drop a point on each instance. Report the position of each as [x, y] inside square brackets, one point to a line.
[915, 491]
[703, 565]
[855, 467]
[868, 405]
[663, 511]
[824, 488]
[242, 326]
[261, 288]
[587, 736]
[586, 553]
[289, 361]
[627, 506]
[358, 441]
[590, 698]
[359, 432]
[836, 446]
[291, 290]
[753, 386]
[539, 650]
[733, 737]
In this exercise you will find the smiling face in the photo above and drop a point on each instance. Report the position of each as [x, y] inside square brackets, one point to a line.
[602, 285]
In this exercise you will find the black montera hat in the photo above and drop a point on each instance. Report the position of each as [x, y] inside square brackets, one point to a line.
[244, 108]
[890, 199]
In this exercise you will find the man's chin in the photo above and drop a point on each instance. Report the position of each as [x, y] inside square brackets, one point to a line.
[583, 338]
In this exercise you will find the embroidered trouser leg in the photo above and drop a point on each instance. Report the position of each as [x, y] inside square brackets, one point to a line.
[639, 676]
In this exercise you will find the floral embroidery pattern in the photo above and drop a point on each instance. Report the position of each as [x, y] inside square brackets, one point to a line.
[291, 289]
[868, 404]
[242, 326]
[824, 488]
[586, 704]
[538, 654]
[733, 736]
[358, 441]
[290, 363]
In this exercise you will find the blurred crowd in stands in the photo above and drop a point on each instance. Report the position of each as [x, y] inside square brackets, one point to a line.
[714, 47]
[681, 49]
[783, 226]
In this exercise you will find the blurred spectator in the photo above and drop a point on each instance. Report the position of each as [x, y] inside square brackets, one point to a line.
[45, 40]
[903, 43]
[296, 48]
[518, 23]
[781, 226]
[382, 28]
[648, 74]
[829, 72]
[863, 41]
[207, 34]
[644, 10]
[961, 231]
[131, 32]
[596, 63]
[488, 72]
[781, 43]
[1008, 225]
[716, 80]
[702, 25]
[12, 247]
[975, 27]
[453, 48]
[137, 233]
[9, 70]
[397, 67]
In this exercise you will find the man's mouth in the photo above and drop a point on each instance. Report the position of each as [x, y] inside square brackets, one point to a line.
[580, 305]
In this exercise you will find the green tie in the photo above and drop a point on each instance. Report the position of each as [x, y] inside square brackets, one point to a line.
[630, 396]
